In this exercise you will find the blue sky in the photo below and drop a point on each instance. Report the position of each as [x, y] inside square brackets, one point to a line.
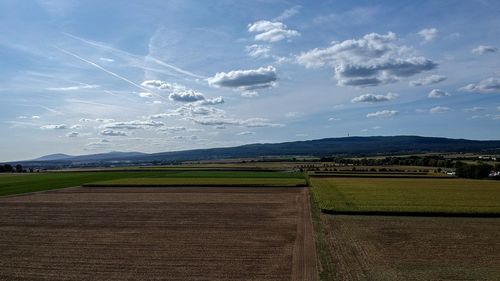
[81, 77]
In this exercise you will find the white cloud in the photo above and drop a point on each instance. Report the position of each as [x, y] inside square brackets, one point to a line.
[334, 119]
[104, 120]
[214, 101]
[76, 127]
[72, 134]
[113, 133]
[490, 85]
[84, 120]
[249, 123]
[54, 127]
[382, 114]
[35, 117]
[186, 96]
[481, 50]
[245, 80]
[431, 79]
[133, 125]
[145, 95]
[245, 133]
[107, 59]
[475, 109]
[428, 34]
[258, 51]
[439, 109]
[176, 92]
[371, 98]
[173, 129]
[288, 13]
[369, 61]
[271, 31]
[74, 88]
[437, 93]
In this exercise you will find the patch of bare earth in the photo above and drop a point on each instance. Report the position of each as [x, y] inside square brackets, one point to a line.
[157, 234]
[411, 248]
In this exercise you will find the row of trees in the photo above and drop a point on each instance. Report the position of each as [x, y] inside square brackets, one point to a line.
[7, 168]
[427, 161]
[473, 171]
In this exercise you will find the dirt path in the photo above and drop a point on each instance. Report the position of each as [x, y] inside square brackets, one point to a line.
[158, 234]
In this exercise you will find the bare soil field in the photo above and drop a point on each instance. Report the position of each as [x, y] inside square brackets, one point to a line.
[413, 248]
[169, 233]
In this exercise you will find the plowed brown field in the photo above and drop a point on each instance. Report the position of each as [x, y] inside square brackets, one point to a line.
[158, 234]
[414, 248]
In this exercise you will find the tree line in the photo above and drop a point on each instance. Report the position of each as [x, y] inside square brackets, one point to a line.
[8, 168]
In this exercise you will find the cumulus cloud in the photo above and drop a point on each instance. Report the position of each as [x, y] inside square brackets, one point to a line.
[72, 134]
[35, 117]
[371, 98]
[133, 125]
[428, 34]
[270, 31]
[54, 127]
[432, 79]
[258, 51]
[382, 114]
[113, 133]
[369, 61]
[214, 101]
[482, 49]
[439, 109]
[245, 80]
[181, 93]
[186, 96]
[84, 120]
[437, 93]
[490, 85]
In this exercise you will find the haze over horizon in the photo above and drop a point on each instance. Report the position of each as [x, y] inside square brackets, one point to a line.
[83, 77]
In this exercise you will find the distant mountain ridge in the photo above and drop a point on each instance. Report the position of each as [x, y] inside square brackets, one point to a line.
[346, 146]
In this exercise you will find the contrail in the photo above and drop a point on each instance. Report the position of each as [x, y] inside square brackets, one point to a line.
[107, 71]
[153, 59]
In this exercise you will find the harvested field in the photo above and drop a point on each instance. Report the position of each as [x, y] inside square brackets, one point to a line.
[182, 233]
[411, 248]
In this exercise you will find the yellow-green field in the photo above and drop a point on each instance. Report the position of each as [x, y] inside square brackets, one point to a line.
[454, 196]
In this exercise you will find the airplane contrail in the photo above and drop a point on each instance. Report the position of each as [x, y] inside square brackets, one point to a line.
[153, 59]
[107, 71]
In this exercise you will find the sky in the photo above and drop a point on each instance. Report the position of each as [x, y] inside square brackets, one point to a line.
[84, 77]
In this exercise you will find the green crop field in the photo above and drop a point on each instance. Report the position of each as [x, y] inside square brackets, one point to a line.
[197, 181]
[31, 182]
[407, 195]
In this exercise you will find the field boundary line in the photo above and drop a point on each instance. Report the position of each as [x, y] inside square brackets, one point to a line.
[411, 214]
[39, 191]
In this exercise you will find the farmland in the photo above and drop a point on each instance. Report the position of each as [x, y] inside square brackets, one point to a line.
[167, 233]
[175, 181]
[32, 182]
[399, 195]
[412, 248]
